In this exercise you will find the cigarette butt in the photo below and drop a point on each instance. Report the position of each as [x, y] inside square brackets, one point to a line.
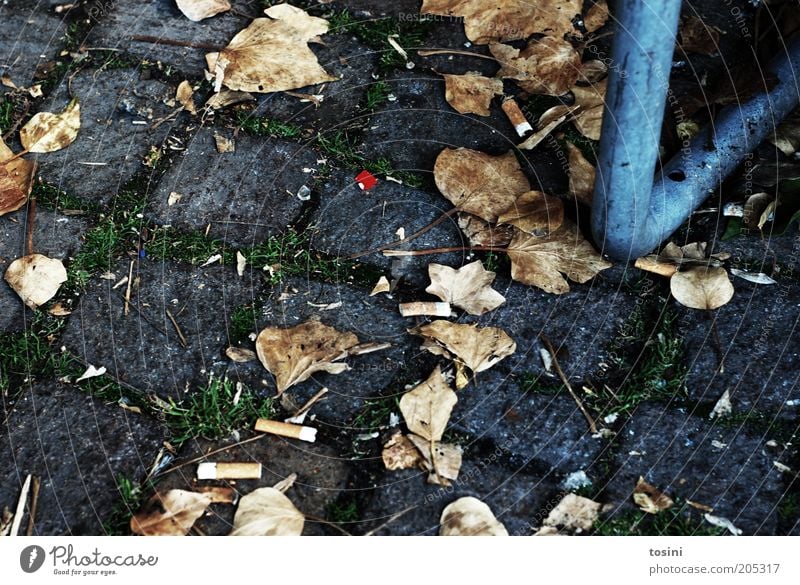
[286, 430]
[211, 470]
[435, 309]
[517, 118]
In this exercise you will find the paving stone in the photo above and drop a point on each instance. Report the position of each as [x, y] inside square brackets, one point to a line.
[119, 125]
[31, 35]
[161, 19]
[143, 348]
[679, 454]
[344, 57]
[78, 446]
[56, 236]
[321, 475]
[377, 8]
[246, 196]
[350, 220]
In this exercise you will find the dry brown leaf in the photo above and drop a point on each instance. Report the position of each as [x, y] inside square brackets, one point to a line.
[589, 117]
[227, 98]
[426, 409]
[36, 278]
[197, 10]
[47, 132]
[534, 213]
[649, 498]
[596, 16]
[756, 208]
[16, 180]
[267, 512]
[479, 183]
[171, 514]
[224, 144]
[593, 71]
[574, 513]
[581, 175]
[469, 287]
[184, 95]
[442, 461]
[240, 354]
[548, 66]
[293, 354]
[702, 287]
[541, 261]
[470, 517]
[697, 37]
[481, 233]
[400, 453]
[471, 93]
[382, 286]
[508, 20]
[478, 348]
[548, 122]
[272, 54]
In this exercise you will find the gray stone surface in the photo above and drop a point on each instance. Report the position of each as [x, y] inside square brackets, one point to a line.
[78, 446]
[246, 196]
[321, 476]
[56, 236]
[162, 19]
[674, 451]
[350, 221]
[30, 36]
[119, 125]
[143, 348]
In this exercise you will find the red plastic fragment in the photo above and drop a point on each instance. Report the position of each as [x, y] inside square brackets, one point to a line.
[366, 180]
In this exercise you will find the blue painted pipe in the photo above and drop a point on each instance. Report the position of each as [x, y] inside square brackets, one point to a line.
[632, 215]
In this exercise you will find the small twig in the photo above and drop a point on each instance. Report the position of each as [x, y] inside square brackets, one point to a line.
[443, 250]
[391, 519]
[184, 343]
[20, 511]
[174, 43]
[309, 403]
[565, 381]
[429, 52]
[209, 454]
[127, 308]
[416, 234]
[31, 226]
[36, 484]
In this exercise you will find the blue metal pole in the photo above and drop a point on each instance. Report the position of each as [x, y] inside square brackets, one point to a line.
[630, 215]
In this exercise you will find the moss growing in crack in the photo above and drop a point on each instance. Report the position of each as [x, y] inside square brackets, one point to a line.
[265, 126]
[342, 511]
[6, 114]
[375, 413]
[211, 413]
[29, 355]
[132, 496]
[673, 522]
[377, 95]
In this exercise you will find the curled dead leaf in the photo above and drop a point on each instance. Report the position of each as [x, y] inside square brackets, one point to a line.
[426, 408]
[184, 95]
[548, 66]
[590, 100]
[197, 10]
[479, 183]
[271, 54]
[702, 287]
[170, 514]
[471, 93]
[469, 287]
[649, 498]
[16, 180]
[36, 278]
[267, 512]
[442, 461]
[541, 261]
[573, 513]
[400, 453]
[479, 348]
[534, 213]
[482, 233]
[293, 355]
[47, 132]
[508, 20]
[470, 517]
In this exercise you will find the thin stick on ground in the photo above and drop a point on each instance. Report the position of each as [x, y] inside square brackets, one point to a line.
[128, 290]
[391, 519]
[209, 454]
[430, 251]
[184, 343]
[35, 485]
[565, 381]
[30, 226]
[174, 42]
[20, 511]
[416, 234]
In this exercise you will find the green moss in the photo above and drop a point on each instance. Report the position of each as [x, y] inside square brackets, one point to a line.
[676, 521]
[375, 413]
[374, 34]
[6, 114]
[342, 512]
[265, 126]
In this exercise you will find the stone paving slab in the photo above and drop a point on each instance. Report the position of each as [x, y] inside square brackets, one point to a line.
[56, 236]
[727, 467]
[143, 348]
[78, 446]
[31, 35]
[321, 476]
[350, 221]
[162, 20]
[120, 122]
[246, 195]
